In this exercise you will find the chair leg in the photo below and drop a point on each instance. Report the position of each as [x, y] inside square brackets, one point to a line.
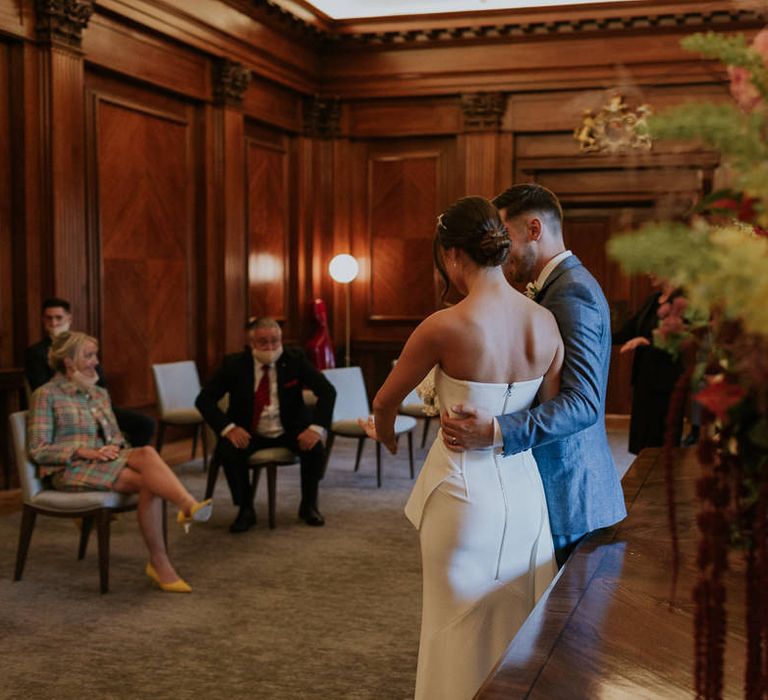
[410, 451]
[25, 535]
[427, 420]
[194, 440]
[160, 435]
[213, 474]
[255, 483]
[360, 444]
[271, 493]
[103, 522]
[378, 464]
[85, 533]
[328, 446]
[204, 441]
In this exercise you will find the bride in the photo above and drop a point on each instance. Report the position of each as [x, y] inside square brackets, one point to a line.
[486, 546]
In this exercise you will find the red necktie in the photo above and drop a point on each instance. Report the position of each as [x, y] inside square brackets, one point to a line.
[260, 398]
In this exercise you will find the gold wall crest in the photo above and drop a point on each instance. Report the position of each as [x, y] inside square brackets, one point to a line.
[615, 128]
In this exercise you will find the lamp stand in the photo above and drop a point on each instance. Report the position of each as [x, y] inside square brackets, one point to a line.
[346, 354]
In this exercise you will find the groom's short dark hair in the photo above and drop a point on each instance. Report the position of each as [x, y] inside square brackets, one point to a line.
[527, 197]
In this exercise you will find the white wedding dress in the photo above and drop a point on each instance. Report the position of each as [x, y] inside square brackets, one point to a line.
[486, 547]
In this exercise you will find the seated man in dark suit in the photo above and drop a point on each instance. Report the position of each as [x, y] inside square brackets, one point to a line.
[57, 318]
[266, 409]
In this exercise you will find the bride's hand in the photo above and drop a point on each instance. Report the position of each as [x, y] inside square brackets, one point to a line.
[369, 426]
[472, 428]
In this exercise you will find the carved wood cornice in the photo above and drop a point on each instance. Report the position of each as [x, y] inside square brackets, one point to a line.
[322, 117]
[453, 27]
[483, 111]
[61, 22]
[230, 81]
[485, 30]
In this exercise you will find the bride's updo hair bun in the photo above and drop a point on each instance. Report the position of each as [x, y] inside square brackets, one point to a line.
[473, 225]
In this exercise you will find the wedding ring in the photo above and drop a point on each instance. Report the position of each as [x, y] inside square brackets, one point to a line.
[454, 441]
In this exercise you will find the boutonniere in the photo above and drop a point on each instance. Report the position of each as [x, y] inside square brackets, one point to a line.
[531, 290]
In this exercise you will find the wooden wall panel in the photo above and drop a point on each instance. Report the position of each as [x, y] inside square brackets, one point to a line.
[403, 197]
[145, 185]
[220, 29]
[273, 104]
[7, 274]
[110, 44]
[403, 117]
[269, 260]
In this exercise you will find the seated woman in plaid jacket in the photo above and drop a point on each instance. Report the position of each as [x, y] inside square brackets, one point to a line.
[74, 439]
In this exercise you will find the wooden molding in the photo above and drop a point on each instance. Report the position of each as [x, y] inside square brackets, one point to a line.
[322, 117]
[483, 111]
[421, 30]
[230, 81]
[61, 22]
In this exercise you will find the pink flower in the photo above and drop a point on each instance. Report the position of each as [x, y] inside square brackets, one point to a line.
[679, 305]
[742, 90]
[664, 310]
[760, 44]
[672, 324]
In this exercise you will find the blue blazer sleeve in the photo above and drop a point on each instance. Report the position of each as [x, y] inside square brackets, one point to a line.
[583, 325]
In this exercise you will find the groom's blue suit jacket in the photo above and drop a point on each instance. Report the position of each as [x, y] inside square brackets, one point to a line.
[567, 434]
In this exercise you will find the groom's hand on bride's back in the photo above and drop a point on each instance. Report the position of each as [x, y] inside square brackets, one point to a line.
[470, 428]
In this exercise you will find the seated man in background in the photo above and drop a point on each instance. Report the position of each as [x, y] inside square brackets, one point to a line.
[57, 318]
[266, 409]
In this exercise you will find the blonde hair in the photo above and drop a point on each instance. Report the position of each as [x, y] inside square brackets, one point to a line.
[67, 345]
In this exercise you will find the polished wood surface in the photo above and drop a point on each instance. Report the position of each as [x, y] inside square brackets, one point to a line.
[608, 626]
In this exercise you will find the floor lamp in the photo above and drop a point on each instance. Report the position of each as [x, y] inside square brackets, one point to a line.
[343, 269]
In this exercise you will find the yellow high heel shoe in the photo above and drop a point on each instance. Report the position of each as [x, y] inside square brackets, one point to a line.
[200, 512]
[178, 586]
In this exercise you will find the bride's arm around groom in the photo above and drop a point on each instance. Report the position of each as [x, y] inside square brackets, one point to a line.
[567, 433]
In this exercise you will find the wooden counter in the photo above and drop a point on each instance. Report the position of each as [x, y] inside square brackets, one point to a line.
[605, 628]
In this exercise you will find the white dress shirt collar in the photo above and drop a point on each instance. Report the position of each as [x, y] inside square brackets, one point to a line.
[541, 280]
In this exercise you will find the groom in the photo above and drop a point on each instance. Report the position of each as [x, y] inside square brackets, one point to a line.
[567, 433]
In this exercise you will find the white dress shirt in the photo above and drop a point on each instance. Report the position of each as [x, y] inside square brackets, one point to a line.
[270, 424]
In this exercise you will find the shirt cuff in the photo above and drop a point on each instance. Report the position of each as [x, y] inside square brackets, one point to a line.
[498, 439]
[230, 427]
[320, 430]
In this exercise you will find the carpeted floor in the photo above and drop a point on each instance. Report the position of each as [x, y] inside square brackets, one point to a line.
[297, 612]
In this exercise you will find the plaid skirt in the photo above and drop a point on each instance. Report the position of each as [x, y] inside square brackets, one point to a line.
[90, 476]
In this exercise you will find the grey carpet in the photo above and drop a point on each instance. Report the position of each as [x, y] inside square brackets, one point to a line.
[295, 612]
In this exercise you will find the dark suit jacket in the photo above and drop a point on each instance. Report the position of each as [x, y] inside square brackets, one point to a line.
[294, 372]
[37, 369]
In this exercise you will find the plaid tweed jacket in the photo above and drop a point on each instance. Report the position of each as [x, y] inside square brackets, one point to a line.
[64, 417]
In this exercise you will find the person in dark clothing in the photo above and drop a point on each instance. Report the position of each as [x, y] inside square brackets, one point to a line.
[654, 373]
[266, 409]
[57, 318]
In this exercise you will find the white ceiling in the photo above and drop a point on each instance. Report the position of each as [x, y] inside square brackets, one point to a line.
[348, 9]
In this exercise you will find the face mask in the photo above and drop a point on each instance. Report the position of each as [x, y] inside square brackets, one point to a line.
[83, 379]
[268, 357]
[58, 330]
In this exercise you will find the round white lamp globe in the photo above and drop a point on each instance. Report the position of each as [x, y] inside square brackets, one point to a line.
[343, 268]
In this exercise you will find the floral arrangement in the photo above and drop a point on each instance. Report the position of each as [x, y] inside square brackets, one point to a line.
[427, 392]
[720, 328]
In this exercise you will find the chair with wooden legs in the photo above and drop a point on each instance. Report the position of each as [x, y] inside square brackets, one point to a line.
[269, 459]
[351, 404]
[94, 507]
[177, 385]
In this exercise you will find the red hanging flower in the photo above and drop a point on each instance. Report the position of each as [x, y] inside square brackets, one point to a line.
[719, 397]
